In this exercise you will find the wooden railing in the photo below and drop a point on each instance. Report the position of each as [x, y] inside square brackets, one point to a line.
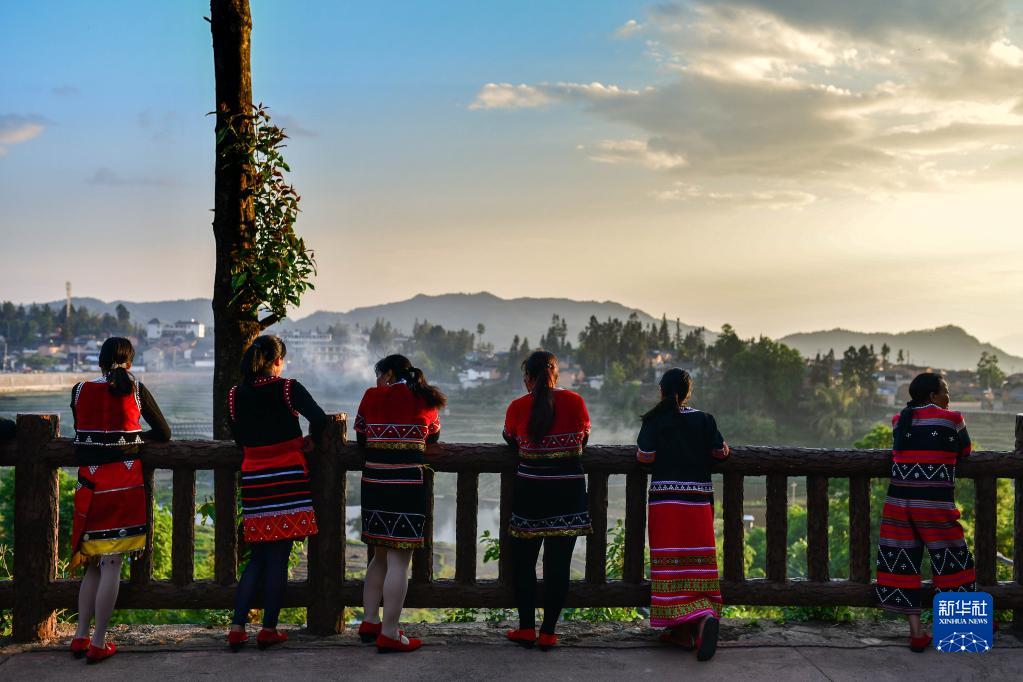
[35, 591]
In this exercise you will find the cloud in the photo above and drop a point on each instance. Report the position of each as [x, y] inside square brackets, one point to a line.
[873, 97]
[628, 29]
[65, 91]
[633, 151]
[107, 177]
[774, 200]
[293, 128]
[18, 128]
[508, 96]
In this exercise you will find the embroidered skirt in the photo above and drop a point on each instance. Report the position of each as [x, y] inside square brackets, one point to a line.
[276, 501]
[684, 584]
[394, 504]
[110, 511]
[549, 499]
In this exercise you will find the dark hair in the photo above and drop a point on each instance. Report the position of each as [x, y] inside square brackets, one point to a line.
[542, 368]
[676, 386]
[920, 390]
[260, 356]
[118, 351]
[403, 370]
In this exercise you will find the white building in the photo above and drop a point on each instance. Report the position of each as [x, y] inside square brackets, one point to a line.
[156, 329]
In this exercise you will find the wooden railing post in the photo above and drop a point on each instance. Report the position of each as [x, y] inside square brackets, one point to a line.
[817, 528]
[225, 528]
[35, 527]
[466, 513]
[422, 559]
[984, 530]
[504, 563]
[1017, 526]
[142, 565]
[596, 542]
[183, 533]
[635, 527]
[734, 540]
[777, 527]
[859, 529]
[325, 614]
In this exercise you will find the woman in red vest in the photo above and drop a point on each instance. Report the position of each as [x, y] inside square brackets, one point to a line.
[277, 506]
[396, 419]
[111, 518]
[549, 427]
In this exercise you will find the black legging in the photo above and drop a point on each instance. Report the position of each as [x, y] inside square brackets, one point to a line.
[268, 567]
[557, 562]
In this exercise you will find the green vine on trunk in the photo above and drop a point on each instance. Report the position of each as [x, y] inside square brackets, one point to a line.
[272, 268]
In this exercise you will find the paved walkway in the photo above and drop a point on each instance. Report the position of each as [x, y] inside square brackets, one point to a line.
[606, 652]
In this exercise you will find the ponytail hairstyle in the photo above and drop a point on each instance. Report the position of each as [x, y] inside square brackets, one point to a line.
[542, 368]
[260, 356]
[413, 377]
[920, 390]
[114, 357]
[676, 387]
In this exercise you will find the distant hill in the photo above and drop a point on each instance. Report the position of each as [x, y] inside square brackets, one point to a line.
[503, 318]
[166, 311]
[947, 347]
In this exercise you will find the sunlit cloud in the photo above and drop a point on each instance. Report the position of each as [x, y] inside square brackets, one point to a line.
[872, 98]
[774, 200]
[17, 128]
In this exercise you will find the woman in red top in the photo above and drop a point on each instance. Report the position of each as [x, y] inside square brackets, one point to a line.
[396, 420]
[110, 519]
[549, 427]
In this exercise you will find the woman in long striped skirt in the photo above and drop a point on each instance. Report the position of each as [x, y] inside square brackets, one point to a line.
[680, 443]
[277, 506]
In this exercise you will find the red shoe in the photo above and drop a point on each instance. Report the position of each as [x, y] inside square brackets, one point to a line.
[546, 641]
[368, 632]
[707, 643]
[79, 646]
[236, 639]
[95, 654]
[523, 637]
[386, 645]
[268, 638]
[919, 644]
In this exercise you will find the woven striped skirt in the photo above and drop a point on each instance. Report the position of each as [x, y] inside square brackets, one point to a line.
[276, 501]
[684, 584]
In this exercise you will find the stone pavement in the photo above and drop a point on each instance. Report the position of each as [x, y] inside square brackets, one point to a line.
[758, 650]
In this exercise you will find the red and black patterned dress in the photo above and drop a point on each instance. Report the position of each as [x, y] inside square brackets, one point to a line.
[920, 510]
[680, 447]
[394, 426]
[276, 501]
[110, 498]
[549, 498]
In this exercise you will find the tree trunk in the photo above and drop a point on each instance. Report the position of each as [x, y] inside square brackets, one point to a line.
[235, 325]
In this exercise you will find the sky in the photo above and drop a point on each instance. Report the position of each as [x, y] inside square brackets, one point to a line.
[781, 165]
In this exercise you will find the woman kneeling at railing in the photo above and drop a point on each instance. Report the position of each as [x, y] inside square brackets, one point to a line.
[277, 506]
[396, 420]
[680, 443]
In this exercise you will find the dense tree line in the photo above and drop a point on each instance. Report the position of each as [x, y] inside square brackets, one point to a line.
[28, 326]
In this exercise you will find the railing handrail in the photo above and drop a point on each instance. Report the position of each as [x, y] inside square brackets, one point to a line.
[749, 460]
